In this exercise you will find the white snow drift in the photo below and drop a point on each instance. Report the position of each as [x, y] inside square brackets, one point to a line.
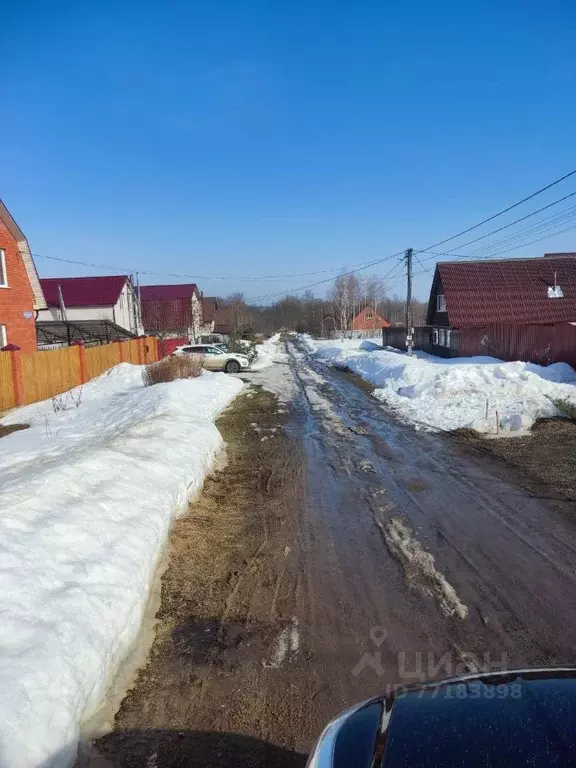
[445, 394]
[269, 352]
[88, 495]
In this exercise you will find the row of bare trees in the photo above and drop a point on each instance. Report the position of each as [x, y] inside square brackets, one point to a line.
[333, 315]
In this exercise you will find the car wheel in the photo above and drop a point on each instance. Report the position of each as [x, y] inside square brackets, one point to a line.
[232, 366]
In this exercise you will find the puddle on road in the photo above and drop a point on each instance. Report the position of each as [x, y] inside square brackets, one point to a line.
[207, 642]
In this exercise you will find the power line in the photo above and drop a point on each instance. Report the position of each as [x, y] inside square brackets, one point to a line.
[507, 226]
[499, 229]
[548, 223]
[328, 280]
[500, 213]
[197, 277]
[358, 267]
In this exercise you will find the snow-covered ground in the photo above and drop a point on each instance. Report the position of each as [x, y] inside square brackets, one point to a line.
[278, 379]
[271, 351]
[446, 394]
[88, 495]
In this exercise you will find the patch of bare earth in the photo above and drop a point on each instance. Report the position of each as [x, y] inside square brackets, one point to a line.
[217, 689]
[544, 462]
[9, 428]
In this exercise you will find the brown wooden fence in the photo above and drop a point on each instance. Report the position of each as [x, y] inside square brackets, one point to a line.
[27, 378]
[542, 344]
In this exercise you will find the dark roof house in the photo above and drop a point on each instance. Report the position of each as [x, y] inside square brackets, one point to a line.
[513, 309]
[473, 294]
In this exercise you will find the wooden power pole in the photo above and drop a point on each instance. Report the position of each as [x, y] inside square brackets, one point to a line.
[409, 320]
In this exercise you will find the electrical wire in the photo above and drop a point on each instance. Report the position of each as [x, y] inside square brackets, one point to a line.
[523, 238]
[499, 213]
[328, 280]
[507, 226]
[547, 224]
[359, 265]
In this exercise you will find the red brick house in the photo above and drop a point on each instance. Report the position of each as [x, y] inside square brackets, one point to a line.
[368, 319]
[20, 292]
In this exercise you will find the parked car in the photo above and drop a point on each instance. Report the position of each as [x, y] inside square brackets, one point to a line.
[215, 359]
[498, 719]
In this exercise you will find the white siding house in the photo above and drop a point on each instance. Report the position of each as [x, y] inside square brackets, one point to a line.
[111, 298]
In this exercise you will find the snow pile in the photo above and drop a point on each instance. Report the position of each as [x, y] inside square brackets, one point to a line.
[89, 492]
[446, 394]
[271, 351]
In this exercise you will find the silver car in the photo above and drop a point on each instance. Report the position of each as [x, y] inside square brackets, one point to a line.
[215, 359]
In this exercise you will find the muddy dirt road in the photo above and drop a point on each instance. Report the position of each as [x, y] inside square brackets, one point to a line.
[341, 554]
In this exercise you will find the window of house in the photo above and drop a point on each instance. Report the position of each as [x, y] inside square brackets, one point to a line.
[3, 276]
[441, 302]
[442, 337]
[369, 315]
[435, 336]
[3, 336]
[448, 337]
[555, 292]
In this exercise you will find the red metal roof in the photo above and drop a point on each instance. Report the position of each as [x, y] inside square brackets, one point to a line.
[369, 320]
[83, 291]
[511, 291]
[153, 292]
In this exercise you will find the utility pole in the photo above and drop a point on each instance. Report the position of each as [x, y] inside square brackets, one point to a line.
[409, 322]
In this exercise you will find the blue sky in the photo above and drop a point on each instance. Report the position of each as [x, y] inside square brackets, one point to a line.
[249, 138]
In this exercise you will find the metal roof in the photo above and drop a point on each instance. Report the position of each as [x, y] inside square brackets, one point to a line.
[155, 292]
[511, 291]
[84, 291]
[88, 331]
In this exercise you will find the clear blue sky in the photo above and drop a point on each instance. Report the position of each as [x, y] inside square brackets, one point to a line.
[236, 138]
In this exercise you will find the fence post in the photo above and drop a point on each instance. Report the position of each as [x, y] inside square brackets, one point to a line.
[17, 379]
[82, 360]
[121, 352]
[141, 350]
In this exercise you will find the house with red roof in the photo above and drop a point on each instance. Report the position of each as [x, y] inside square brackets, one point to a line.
[519, 309]
[20, 292]
[172, 311]
[111, 297]
[369, 321]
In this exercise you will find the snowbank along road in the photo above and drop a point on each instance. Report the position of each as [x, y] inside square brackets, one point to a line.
[403, 560]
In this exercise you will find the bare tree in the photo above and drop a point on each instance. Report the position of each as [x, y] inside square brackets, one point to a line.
[344, 298]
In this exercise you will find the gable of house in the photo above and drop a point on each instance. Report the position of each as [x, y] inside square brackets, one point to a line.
[368, 319]
[519, 291]
[209, 309]
[84, 291]
[12, 228]
[20, 291]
